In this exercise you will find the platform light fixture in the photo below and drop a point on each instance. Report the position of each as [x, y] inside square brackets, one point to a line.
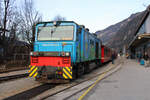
[54, 23]
[139, 37]
[67, 53]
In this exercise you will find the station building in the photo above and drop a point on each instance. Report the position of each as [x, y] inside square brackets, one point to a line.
[141, 41]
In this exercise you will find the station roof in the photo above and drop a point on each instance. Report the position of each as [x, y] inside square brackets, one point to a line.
[140, 39]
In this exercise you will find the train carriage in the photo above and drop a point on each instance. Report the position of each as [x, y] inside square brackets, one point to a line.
[62, 51]
[106, 54]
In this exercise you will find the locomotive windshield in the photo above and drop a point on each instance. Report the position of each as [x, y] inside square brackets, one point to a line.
[55, 33]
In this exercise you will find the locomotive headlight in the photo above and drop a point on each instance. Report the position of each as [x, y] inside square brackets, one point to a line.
[62, 53]
[67, 53]
[34, 53]
[31, 53]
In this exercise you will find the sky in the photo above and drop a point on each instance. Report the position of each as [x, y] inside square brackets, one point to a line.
[94, 14]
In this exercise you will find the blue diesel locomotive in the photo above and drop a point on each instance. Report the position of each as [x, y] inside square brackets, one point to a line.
[63, 51]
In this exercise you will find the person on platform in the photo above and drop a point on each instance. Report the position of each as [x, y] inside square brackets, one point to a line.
[139, 56]
[146, 58]
[113, 58]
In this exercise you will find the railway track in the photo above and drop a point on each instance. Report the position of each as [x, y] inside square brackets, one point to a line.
[12, 77]
[50, 90]
[26, 95]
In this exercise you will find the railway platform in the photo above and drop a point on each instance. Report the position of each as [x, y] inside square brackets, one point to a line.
[131, 82]
[7, 76]
[12, 73]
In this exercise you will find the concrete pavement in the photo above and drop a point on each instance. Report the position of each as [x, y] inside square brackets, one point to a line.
[132, 82]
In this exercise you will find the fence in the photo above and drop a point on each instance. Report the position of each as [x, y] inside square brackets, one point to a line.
[16, 60]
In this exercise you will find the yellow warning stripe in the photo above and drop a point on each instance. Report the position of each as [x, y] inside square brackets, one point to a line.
[68, 68]
[35, 74]
[33, 71]
[67, 74]
[32, 68]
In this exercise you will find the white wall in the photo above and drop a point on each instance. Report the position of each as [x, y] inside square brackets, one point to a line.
[147, 24]
[145, 28]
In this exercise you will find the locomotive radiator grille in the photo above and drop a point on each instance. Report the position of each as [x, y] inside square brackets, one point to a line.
[67, 72]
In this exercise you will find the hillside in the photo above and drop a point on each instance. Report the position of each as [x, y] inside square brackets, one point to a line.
[119, 35]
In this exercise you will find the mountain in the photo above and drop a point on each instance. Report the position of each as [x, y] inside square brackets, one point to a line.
[120, 34]
[108, 34]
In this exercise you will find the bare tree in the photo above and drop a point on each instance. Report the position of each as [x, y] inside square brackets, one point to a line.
[6, 14]
[0, 20]
[59, 18]
[6, 10]
[29, 18]
[15, 22]
[7, 7]
[14, 25]
[0, 13]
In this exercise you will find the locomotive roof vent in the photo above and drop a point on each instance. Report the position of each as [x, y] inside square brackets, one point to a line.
[87, 29]
[56, 23]
[95, 34]
[82, 26]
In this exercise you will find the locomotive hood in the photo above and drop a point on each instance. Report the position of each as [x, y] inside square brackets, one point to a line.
[55, 48]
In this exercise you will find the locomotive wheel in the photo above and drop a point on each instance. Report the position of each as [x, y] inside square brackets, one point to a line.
[97, 63]
[75, 72]
[80, 70]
